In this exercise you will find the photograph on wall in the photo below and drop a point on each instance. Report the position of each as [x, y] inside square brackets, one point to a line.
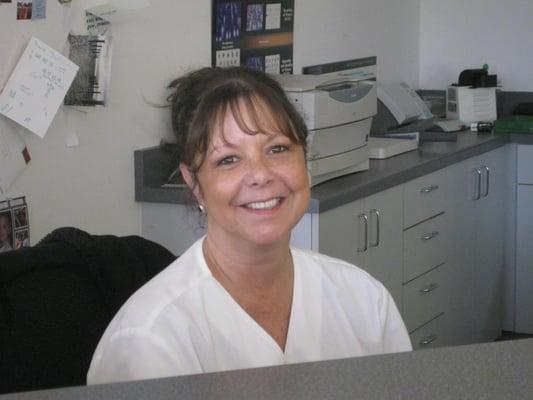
[14, 224]
[258, 34]
[24, 9]
[91, 84]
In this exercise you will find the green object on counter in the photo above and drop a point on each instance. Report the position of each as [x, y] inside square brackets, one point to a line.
[514, 124]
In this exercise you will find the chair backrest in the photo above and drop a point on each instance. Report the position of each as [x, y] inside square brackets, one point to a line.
[57, 298]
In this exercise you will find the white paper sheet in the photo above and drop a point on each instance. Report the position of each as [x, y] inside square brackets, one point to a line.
[37, 86]
[114, 8]
[13, 155]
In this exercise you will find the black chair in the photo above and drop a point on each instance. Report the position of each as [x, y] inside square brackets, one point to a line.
[57, 298]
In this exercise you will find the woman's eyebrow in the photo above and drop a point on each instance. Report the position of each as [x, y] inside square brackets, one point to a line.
[224, 145]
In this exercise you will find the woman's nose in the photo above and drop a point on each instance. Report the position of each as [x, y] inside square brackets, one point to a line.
[259, 171]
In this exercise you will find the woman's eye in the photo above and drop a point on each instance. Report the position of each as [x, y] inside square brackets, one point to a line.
[279, 149]
[228, 160]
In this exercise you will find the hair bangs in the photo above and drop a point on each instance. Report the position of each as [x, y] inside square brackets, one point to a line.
[254, 115]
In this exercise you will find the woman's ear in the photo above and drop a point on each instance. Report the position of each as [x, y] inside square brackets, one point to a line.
[189, 180]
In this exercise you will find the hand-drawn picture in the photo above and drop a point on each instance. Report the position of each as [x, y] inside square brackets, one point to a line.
[37, 86]
[93, 55]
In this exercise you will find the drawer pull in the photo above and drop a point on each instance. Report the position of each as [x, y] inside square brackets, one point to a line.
[429, 288]
[429, 189]
[363, 217]
[478, 172]
[428, 339]
[487, 180]
[429, 236]
[378, 223]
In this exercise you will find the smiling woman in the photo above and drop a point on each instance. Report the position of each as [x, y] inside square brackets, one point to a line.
[241, 296]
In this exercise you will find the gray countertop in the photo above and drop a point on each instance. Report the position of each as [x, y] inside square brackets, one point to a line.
[383, 174]
[499, 370]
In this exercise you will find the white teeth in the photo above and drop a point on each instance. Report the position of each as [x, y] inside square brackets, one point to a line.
[264, 204]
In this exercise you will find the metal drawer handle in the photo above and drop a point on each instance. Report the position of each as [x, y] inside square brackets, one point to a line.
[363, 217]
[428, 339]
[429, 236]
[478, 172]
[429, 288]
[429, 189]
[378, 223]
[487, 180]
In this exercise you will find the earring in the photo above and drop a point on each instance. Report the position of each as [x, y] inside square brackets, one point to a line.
[202, 209]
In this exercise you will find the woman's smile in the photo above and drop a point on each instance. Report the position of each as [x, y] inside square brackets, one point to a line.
[264, 205]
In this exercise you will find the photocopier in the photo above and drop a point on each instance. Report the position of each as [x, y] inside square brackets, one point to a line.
[337, 107]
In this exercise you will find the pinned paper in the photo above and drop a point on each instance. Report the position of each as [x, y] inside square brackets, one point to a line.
[114, 8]
[38, 9]
[36, 88]
[93, 55]
[96, 26]
[14, 155]
[71, 139]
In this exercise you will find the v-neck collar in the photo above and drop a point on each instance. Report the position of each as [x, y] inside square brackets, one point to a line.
[295, 303]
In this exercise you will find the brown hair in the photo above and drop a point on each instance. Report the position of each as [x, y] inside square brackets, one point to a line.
[202, 98]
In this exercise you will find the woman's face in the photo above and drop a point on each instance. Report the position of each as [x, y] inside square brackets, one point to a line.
[255, 187]
[5, 228]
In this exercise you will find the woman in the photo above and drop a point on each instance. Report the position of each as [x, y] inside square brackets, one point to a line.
[241, 297]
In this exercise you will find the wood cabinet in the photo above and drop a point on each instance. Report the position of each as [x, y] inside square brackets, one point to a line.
[477, 248]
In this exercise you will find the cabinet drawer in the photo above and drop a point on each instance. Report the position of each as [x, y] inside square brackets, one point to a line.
[433, 334]
[423, 197]
[425, 298]
[524, 171]
[424, 247]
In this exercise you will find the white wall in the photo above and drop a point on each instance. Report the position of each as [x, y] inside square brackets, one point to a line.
[462, 34]
[327, 31]
[92, 186]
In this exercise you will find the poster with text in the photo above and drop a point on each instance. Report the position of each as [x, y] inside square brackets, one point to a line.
[258, 34]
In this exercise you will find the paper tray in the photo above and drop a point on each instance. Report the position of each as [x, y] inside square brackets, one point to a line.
[380, 148]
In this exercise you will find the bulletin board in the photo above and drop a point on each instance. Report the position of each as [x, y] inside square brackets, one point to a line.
[257, 34]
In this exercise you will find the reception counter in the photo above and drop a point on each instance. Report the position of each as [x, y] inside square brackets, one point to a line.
[498, 370]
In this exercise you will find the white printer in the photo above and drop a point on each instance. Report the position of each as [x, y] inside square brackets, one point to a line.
[337, 108]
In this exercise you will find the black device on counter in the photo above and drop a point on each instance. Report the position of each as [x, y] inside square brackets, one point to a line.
[478, 77]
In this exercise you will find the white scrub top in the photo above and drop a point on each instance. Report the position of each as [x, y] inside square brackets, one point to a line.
[184, 322]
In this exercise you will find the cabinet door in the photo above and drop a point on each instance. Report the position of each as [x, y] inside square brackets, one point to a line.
[343, 232]
[490, 246]
[384, 254]
[463, 182]
[477, 246]
[524, 260]
[368, 233]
